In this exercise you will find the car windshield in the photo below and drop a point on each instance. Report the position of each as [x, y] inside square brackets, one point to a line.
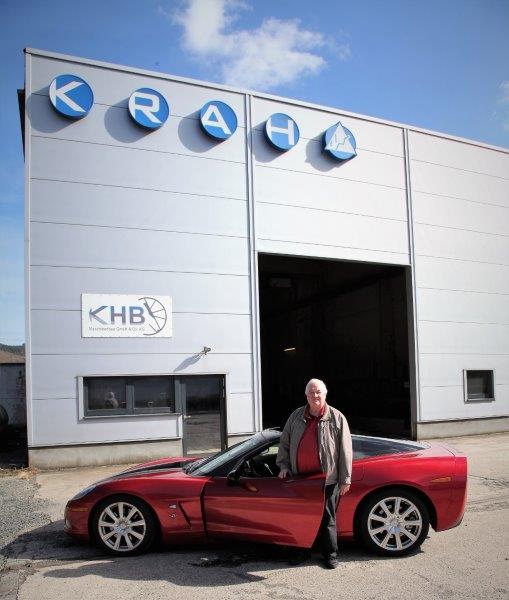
[207, 466]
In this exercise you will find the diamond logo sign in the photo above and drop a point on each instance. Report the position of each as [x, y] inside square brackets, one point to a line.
[339, 142]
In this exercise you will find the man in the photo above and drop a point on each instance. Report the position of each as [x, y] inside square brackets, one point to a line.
[316, 438]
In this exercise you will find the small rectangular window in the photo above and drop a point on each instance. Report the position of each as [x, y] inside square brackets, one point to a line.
[478, 386]
[105, 396]
[153, 394]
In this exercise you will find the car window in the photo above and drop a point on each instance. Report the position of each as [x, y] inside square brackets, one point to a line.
[261, 464]
[214, 462]
[364, 446]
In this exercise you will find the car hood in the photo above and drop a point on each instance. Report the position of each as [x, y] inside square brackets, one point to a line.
[170, 462]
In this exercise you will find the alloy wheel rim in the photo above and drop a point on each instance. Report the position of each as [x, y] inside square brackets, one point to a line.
[122, 527]
[395, 523]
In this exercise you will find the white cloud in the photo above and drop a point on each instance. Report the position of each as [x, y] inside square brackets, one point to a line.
[277, 52]
[504, 99]
[504, 89]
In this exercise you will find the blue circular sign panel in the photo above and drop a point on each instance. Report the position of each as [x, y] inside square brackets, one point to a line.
[282, 131]
[339, 142]
[71, 96]
[148, 108]
[218, 120]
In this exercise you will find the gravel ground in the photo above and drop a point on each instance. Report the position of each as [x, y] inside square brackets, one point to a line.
[20, 511]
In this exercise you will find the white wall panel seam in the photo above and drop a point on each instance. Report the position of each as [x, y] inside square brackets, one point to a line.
[49, 266]
[331, 245]
[128, 187]
[174, 312]
[67, 224]
[463, 322]
[259, 131]
[335, 177]
[413, 316]
[27, 274]
[460, 386]
[422, 287]
[469, 260]
[462, 228]
[126, 109]
[330, 210]
[428, 162]
[464, 354]
[460, 198]
[102, 442]
[137, 149]
[134, 353]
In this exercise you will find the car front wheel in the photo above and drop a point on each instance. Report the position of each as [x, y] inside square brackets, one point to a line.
[393, 522]
[123, 525]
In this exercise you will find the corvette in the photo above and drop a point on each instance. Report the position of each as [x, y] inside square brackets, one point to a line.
[399, 489]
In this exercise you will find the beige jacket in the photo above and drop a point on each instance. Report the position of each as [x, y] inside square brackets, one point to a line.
[334, 444]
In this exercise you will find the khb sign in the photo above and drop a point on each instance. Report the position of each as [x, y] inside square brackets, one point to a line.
[119, 315]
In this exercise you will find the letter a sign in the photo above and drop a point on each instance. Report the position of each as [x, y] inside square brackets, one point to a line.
[218, 120]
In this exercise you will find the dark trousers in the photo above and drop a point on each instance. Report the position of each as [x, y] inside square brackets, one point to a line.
[327, 537]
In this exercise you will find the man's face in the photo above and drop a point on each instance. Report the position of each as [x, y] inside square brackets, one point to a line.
[316, 397]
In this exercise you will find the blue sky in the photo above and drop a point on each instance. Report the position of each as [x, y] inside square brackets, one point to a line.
[437, 64]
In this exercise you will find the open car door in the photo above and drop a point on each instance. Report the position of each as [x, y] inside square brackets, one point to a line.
[265, 509]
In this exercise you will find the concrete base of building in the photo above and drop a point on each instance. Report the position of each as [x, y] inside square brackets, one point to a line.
[445, 429]
[87, 455]
[235, 438]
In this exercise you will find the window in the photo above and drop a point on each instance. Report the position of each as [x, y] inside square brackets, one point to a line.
[478, 386]
[105, 396]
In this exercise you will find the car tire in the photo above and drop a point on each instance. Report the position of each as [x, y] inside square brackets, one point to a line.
[123, 525]
[393, 522]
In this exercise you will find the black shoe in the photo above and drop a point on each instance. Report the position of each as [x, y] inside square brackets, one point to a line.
[330, 561]
[299, 557]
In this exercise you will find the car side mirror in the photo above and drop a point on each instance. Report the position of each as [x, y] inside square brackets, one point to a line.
[233, 477]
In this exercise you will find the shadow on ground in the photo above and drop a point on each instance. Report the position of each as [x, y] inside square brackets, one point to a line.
[214, 564]
[13, 449]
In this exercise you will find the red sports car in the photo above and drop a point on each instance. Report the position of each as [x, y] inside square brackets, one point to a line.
[399, 488]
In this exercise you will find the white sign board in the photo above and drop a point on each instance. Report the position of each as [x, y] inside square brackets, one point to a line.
[120, 315]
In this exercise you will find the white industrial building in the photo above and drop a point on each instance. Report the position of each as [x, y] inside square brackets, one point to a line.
[196, 253]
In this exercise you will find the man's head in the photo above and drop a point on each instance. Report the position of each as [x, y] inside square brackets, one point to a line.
[316, 392]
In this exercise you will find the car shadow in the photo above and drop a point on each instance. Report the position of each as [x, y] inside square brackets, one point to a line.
[206, 565]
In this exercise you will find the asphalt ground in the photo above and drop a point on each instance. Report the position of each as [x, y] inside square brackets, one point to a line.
[41, 562]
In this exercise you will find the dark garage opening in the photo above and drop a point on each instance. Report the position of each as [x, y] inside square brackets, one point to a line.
[343, 322]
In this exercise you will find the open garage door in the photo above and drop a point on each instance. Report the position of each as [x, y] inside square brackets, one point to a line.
[343, 322]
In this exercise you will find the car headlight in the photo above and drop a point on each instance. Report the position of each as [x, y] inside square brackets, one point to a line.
[84, 492]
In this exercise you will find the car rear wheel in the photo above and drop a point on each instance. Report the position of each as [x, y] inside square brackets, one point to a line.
[123, 525]
[393, 522]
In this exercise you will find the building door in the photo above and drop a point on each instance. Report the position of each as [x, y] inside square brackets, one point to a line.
[345, 323]
[204, 413]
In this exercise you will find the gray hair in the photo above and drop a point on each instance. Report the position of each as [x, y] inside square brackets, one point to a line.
[316, 382]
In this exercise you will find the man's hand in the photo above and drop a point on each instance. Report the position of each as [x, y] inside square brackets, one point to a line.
[283, 473]
[343, 488]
